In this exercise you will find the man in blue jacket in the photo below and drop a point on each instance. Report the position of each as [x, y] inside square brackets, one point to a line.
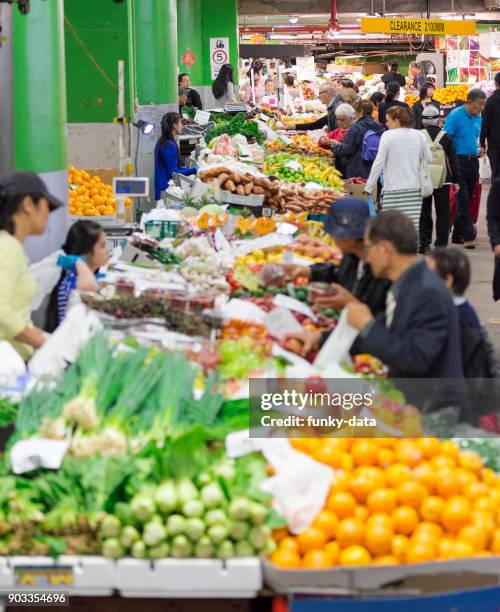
[418, 336]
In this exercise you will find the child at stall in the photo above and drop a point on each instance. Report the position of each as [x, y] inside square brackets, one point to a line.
[85, 251]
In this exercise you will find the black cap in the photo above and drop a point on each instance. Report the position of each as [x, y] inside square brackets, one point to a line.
[347, 218]
[27, 183]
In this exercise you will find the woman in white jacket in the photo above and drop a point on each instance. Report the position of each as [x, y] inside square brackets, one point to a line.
[401, 152]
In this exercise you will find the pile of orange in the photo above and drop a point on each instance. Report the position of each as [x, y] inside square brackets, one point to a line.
[396, 501]
[89, 196]
[451, 94]
[410, 99]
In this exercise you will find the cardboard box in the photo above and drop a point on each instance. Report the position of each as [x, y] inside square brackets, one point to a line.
[373, 68]
[357, 191]
[340, 69]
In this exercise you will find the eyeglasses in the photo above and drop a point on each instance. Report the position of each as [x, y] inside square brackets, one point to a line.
[367, 247]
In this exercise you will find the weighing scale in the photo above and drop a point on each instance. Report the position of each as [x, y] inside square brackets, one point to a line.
[128, 187]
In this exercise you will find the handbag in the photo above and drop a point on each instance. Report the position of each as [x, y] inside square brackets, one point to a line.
[426, 188]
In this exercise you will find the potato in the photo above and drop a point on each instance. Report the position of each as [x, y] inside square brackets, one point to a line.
[258, 190]
[236, 179]
[230, 186]
[222, 178]
[240, 190]
[248, 188]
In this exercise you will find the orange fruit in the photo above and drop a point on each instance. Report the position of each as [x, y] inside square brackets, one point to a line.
[399, 545]
[474, 535]
[347, 463]
[397, 473]
[465, 476]
[378, 537]
[484, 520]
[449, 449]
[429, 447]
[289, 543]
[471, 461]
[333, 550]
[350, 531]
[440, 462]
[432, 508]
[311, 539]
[385, 560]
[484, 503]
[382, 500]
[342, 503]
[382, 518]
[435, 530]
[448, 483]
[484, 553]
[340, 481]
[411, 493]
[456, 513]
[446, 547]
[405, 520]
[424, 537]
[364, 481]
[462, 549]
[286, 559]
[385, 456]
[408, 453]
[419, 552]
[330, 456]
[355, 555]
[326, 521]
[424, 474]
[317, 559]
[495, 542]
[475, 489]
[280, 534]
[361, 512]
[488, 476]
[364, 452]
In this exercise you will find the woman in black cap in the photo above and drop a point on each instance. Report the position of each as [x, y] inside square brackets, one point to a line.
[24, 209]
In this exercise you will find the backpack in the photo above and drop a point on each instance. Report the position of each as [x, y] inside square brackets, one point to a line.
[369, 148]
[478, 360]
[437, 167]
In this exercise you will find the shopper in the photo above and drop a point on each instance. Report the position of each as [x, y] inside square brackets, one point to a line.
[330, 97]
[270, 87]
[426, 92]
[490, 129]
[344, 114]
[393, 75]
[167, 159]
[444, 171]
[464, 126]
[360, 146]
[193, 98]
[391, 99]
[182, 98]
[417, 76]
[401, 153]
[223, 86]
[418, 336]
[25, 205]
[493, 221]
[259, 90]
[292, 91]
[349, 96]
[376, 98]
[85, 252]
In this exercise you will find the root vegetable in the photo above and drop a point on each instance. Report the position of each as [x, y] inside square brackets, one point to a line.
[230, 186]
[240, 190]
[248, 188]
[258, 191]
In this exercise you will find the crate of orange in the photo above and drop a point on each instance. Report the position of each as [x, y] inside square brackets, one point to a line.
[396, 507]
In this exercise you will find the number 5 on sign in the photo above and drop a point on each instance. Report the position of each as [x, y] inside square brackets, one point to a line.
[219, 54]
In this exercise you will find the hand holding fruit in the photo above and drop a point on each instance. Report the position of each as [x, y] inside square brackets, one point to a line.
[302, 343]
[293, 272]
[338, 300]
[358, 315]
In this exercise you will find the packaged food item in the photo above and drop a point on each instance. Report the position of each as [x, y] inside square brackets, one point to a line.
[317, 290]
[125, 287]
[272, 275]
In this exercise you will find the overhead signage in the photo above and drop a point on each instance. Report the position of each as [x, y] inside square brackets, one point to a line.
[219, 54]
[418, 27]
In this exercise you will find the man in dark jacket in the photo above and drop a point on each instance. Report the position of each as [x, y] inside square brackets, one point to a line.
[490, 129]
[330, 97]
[430, 120]
[493, 221]
[418, 336]
[351, 148]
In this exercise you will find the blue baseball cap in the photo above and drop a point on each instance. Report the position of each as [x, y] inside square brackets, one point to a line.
[347, 218]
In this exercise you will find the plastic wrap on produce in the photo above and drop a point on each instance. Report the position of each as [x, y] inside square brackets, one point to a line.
[243, 311]
[336, 348]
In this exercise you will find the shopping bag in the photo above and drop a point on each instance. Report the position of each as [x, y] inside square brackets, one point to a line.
[484, 168]
[371, 206]
[336, 348]
[475, 202]
[46, 274]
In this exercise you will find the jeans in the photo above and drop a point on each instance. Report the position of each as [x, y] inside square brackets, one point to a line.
[463, 227]
[494, 157]
[442, 205]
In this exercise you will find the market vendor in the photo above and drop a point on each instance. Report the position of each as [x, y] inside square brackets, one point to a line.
[193, 98]
[330, 97]
[25, 204]
[167, 158]
[353, 279]
[393, 74]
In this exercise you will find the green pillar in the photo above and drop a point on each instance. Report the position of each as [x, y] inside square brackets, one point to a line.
[39, 96]
[189, 37]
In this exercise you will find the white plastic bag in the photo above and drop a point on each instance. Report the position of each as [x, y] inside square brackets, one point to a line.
[336, 348]
[11, 364]
[484, 168]
[46, 274]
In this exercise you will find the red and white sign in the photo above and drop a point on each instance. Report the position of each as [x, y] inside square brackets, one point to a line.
[219, 54]
[188, 59]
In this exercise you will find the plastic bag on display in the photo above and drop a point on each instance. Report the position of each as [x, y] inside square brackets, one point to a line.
[46, 274]
[336, 348]
[484, 168]
[160, 213]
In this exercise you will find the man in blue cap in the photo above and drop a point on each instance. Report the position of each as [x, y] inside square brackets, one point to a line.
[353, 279]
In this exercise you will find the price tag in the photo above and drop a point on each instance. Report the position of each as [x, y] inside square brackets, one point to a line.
[39, 576]
[201, 117]
[293, 304]
[281, 322]
[294, 165]
[285, 140]
[221, 242]
[246, 278]
[287, 229]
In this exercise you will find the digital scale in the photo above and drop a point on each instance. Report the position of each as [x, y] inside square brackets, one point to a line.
[128, 187]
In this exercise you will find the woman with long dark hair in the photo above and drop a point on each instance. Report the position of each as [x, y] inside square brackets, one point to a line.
[393, 75]
[391, 99]
[85, 252]
[425, 94]
[167, 158]
[223, 86]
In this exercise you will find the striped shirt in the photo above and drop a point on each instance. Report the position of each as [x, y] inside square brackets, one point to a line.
[66, 286]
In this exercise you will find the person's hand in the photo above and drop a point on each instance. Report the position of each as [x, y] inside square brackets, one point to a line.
[324, 141]
[68, 262]
[288, 126]
[496, 250]
[293, 271]
[341, 298]
[358, 315]
[302, 343]
[456, 187]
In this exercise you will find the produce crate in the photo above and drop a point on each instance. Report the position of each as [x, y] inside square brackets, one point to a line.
[193, 578]
[85, 575]
[375, 577]
[162, 229]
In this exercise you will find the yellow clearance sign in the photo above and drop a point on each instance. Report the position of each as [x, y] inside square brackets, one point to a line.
[426, 27]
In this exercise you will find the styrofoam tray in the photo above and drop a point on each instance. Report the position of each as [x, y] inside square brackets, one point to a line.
[194, 578]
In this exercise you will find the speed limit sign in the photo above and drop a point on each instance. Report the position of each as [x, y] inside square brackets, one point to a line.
[219, 54]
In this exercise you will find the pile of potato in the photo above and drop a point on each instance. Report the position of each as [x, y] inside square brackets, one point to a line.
[278, 196]
[307, 246]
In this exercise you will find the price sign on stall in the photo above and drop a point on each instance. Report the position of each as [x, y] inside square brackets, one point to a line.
[219, 54]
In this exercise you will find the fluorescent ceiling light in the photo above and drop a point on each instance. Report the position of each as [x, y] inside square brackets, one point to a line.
[293, 19]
